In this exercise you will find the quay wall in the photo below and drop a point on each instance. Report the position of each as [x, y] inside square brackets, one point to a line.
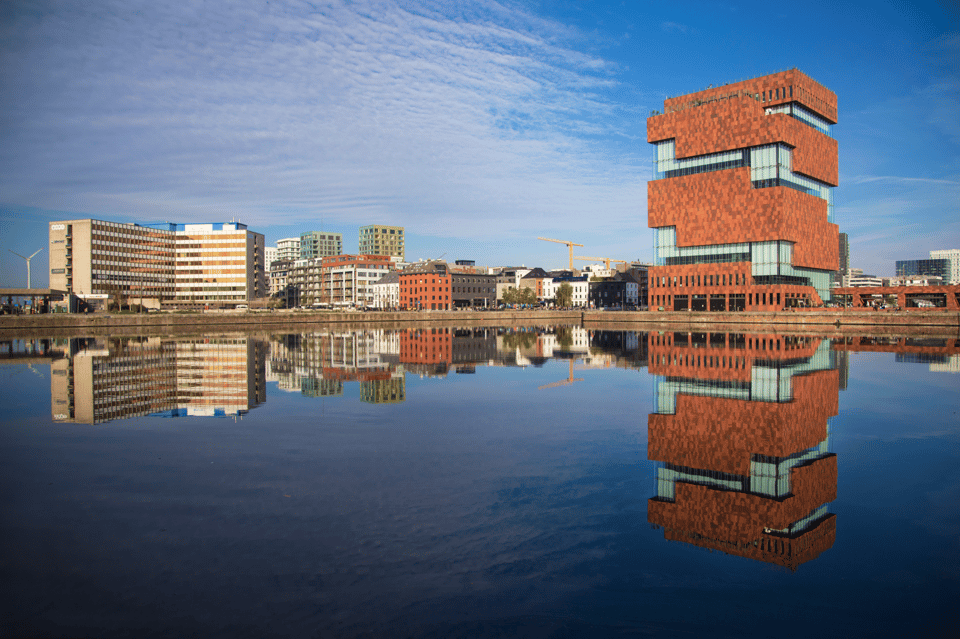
[822, 321]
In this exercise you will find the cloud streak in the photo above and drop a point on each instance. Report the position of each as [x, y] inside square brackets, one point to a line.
[479, 119]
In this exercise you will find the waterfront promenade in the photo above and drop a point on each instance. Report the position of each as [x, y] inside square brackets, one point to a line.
[822, 321]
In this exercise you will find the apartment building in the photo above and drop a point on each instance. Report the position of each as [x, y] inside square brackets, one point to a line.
[192, 265]
[288, 249]
[741, 203]
[314, 244]
[383, 240]
[386, 291]
[340, 280]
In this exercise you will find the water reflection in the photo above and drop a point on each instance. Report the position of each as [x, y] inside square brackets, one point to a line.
[95, 380]
[741, 429]
[495, 504]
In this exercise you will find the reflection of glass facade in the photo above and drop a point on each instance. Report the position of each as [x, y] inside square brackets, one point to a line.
[740, 429]
[108, 379]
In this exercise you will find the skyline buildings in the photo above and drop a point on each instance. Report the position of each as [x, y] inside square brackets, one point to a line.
[742, 197]
[502, 154]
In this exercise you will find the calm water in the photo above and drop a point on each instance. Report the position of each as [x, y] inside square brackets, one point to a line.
[548, 482]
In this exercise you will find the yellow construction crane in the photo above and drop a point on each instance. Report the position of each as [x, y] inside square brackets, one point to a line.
[570, 246]
[606, 260]
[563, 382]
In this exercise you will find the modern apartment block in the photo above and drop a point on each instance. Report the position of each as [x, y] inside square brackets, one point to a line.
[383, 240]
[288, 249]
[159, 265]
[741, 203]
[319, 244]
[339, 280]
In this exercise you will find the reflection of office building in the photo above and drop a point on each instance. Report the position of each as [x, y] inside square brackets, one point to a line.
[742, 196]
[220, 376]
[741, 429]
[101, 381]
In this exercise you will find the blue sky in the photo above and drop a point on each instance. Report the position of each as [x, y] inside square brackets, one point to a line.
[478, 126]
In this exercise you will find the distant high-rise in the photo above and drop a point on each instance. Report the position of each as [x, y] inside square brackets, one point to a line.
[916, 268]
[320, 244]
[383, 240]
[844, 261]
[953, 255]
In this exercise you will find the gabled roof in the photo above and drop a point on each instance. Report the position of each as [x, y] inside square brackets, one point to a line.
[392, 277]
[536, 273]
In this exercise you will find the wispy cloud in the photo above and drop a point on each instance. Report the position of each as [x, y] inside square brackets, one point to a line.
[674, 27]
[478, 118]
[896, 179]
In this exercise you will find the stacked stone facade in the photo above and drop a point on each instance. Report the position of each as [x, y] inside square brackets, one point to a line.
[726, 206]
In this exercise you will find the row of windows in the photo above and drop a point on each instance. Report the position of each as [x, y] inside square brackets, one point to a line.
[770, 165]
[801, 113]
[699, 279]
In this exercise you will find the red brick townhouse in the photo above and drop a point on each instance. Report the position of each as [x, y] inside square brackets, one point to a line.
[425, 286]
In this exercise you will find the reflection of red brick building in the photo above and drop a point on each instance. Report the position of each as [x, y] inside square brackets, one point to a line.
[426, 286]
[741, 428]
[426, 346]
[741, 199]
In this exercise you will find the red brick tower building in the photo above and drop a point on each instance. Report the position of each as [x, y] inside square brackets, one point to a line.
[741, 202]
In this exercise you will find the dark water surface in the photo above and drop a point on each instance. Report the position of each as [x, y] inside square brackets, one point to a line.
[549, 482]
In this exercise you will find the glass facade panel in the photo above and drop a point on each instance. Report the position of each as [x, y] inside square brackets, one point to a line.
[803, 114]
[770, 165]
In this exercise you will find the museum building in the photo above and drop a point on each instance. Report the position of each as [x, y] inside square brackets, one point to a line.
[741, 201]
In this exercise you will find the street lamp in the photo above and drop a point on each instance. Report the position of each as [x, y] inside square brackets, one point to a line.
[28, 263]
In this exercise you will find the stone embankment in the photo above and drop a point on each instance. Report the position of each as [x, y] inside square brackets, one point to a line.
[822, 321]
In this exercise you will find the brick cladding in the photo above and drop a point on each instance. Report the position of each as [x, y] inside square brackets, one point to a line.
[807, 91]
[734, 516]
[660, 295]
[726, 362]
[736, 523]
[741, 123]
[721, 434]
[722, 207]
[789, 552]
